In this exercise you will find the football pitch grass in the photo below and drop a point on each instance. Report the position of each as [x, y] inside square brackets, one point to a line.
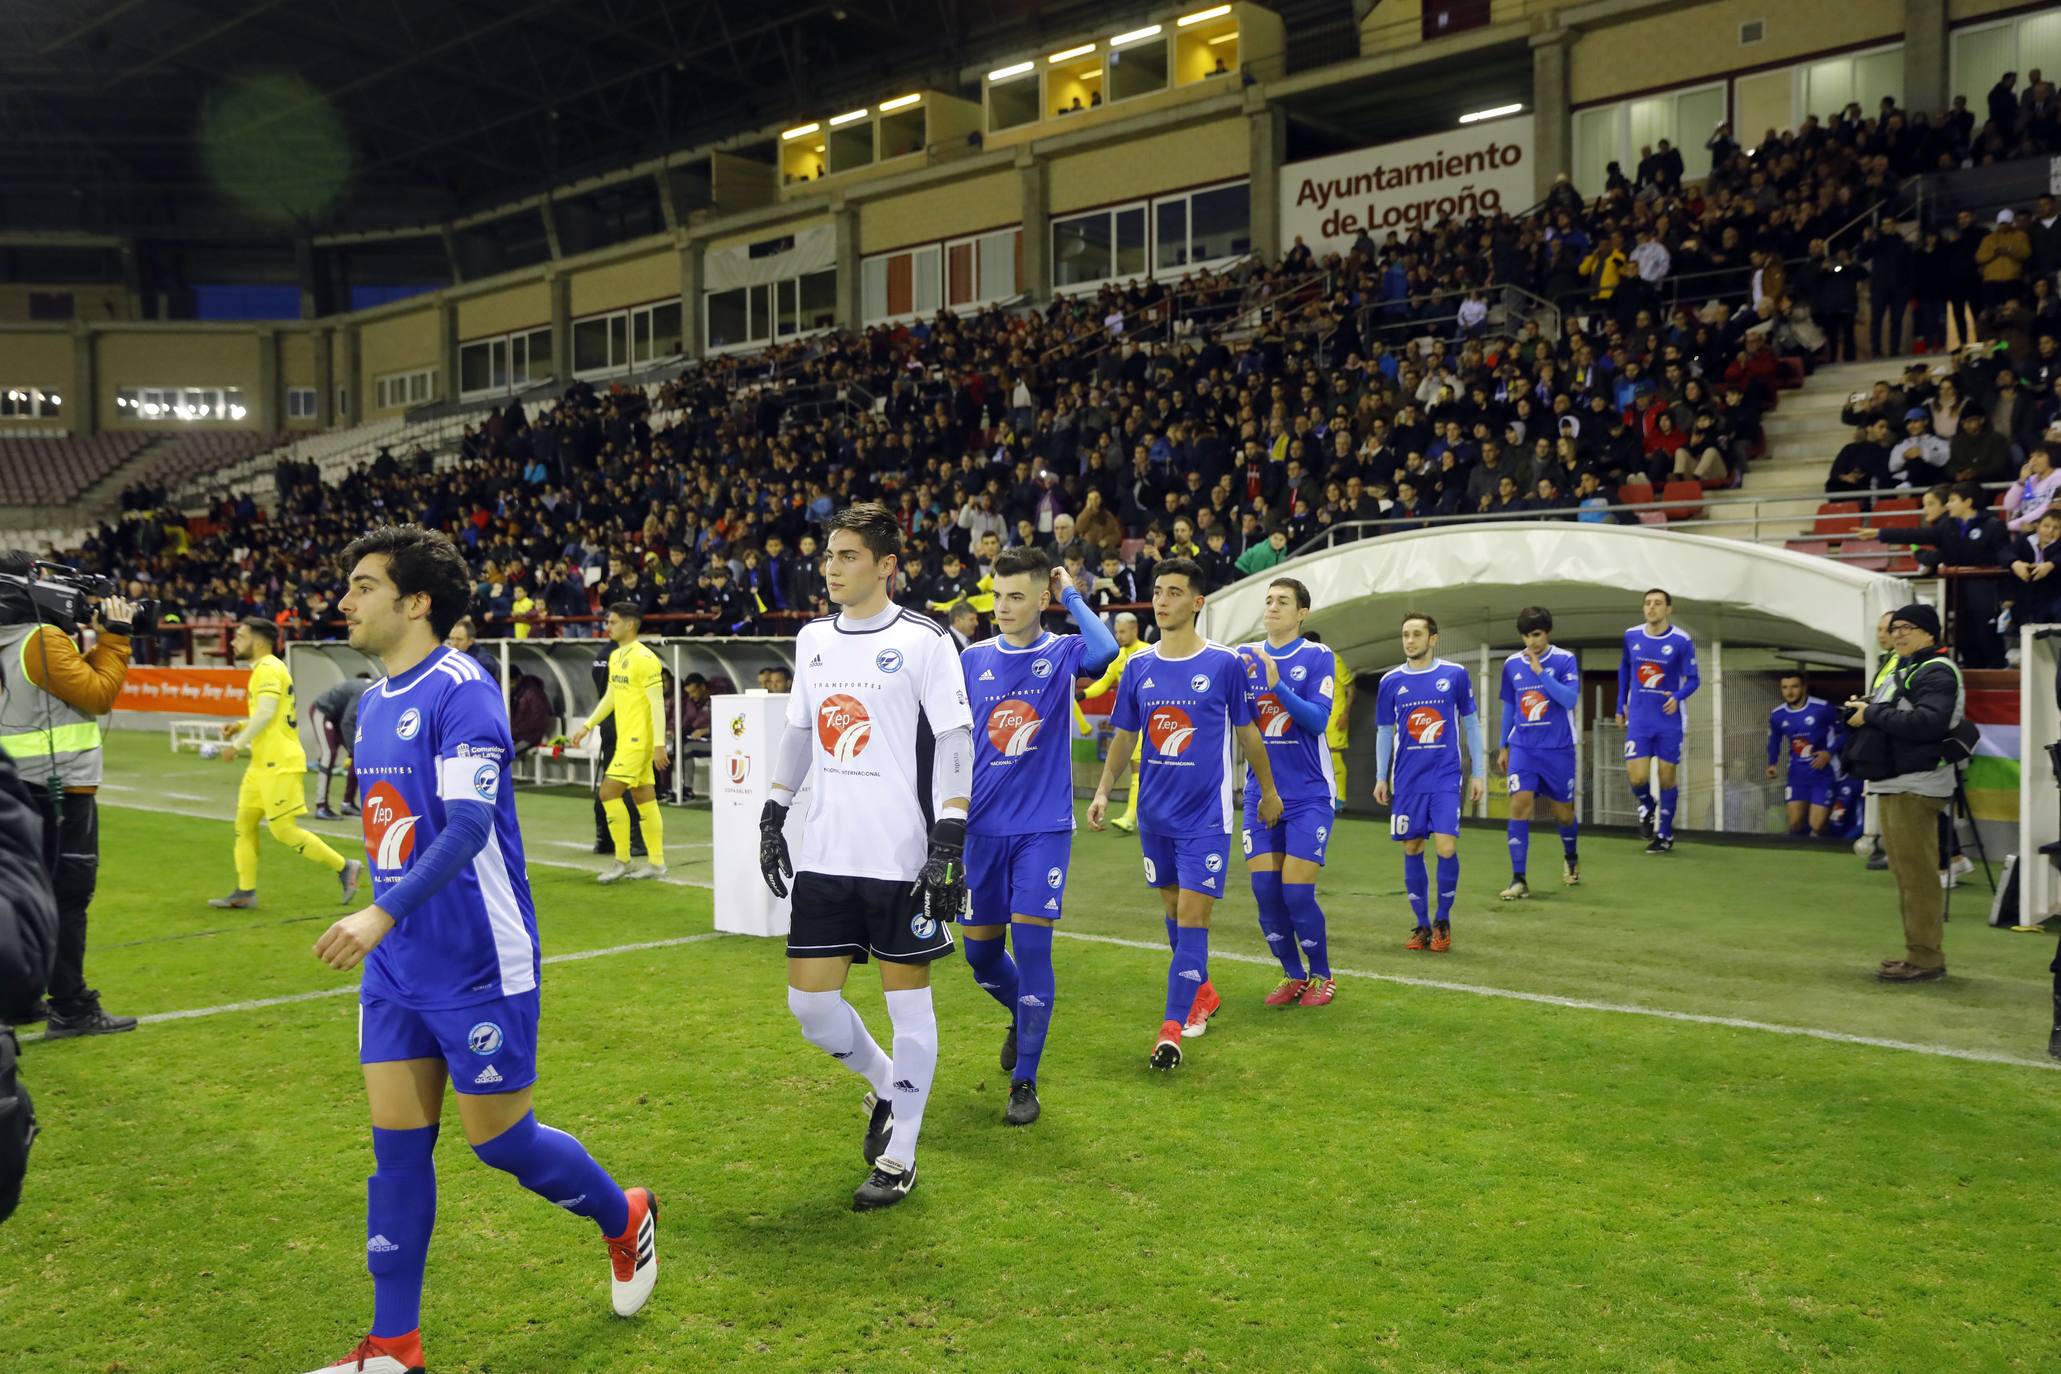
[1421, 1177]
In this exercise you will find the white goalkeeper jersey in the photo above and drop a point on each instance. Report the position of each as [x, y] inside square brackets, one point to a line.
[875, 694]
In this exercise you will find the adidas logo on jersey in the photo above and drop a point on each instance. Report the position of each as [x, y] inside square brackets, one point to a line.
[1192, 975]
[380, 1245]
[487, 1075]
[1146, 685]
[1051, 904]
[1209, 882]
[816, 662]
[987, 675]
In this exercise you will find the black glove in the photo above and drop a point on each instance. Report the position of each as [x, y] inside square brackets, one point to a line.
[774, 864]
[941, 883]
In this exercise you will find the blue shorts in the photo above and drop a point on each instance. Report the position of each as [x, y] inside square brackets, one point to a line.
[1811, 785]
[1654, 743]
[1301, 833]
[1423, 814]
[489, 1047]
[1547, 772]
[1194, 862]
[1015, 875]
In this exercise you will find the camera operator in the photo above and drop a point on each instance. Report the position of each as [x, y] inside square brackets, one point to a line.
[1901, 748]
[28, 943]
[50, 709]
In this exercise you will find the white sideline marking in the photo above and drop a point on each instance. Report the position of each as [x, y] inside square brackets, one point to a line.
[1437, 985]
[259, 1003]
[1621, 1008]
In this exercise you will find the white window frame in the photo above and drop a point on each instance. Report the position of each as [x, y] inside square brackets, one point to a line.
[764, 296]
[631, 317]
[941, 273]
[399, 390]
[300, 402]
[514, 367]
[37, 399]
[1150, 205]
[1621, 125]
[2015, 62]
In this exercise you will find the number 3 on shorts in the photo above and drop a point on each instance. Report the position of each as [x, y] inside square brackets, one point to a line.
[1399, 824]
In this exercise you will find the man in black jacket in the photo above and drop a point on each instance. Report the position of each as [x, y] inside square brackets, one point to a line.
[28, 948]
[1898, 736]
[1892, 274]
[1970, 537]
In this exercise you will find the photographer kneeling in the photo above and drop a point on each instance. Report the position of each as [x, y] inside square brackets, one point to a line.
[28, 943]
[1907, 740]
[51, 699]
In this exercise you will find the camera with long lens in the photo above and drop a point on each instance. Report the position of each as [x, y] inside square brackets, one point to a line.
[63, 596]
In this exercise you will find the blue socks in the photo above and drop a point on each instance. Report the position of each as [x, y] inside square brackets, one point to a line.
[1306, 918]
[1186, 972]
[1448, 885]
[1665, 826]
[992, 968]
[1275, 923]
[1567, 834]
[400, 1211]
[1034, 1000]
[1418, 885]
[1173, 933]
[1520, 846]
[1642, 797]
[558, 1169]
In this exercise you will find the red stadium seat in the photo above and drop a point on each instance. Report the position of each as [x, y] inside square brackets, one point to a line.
[1897, 513]
[1684, 500]
[1870, 554]
[1837, 518]
[1816, 548]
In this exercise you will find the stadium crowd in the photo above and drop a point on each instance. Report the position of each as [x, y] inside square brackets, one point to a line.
[1539, 364]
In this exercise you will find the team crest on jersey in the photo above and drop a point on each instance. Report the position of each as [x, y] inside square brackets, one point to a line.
[409, 723]
[1426, 724]
[1667, 651]
[1445, 684]
[1298, 673]
[1274, 721]
[1013, 727]
[1054, 877]
[484, 1039]
[485, 780]
[389, 828]
[1041, 667]
[843, 727]
[1651, 674]
[888, 660]
[1199, 683]
[1170, 731]
[1532, 705]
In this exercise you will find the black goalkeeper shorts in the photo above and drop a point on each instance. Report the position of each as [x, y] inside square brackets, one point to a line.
[864, 918]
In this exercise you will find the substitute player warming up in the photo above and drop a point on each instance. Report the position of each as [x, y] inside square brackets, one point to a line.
[1019, 835]
[1423, 699]
[1655, 677]
[1541, 687]
[1187, 699]
[1805, 729]
[274, 789]
[449, 946]
[636, 698]
[879, 712]
[1292, 680]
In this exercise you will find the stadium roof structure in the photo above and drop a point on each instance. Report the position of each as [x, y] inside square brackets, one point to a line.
[191, 117]
[1475, 578]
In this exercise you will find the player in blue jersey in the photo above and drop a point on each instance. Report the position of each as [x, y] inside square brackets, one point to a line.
[449, 945]
[1541, 688]
[1429, 701]
[1293, 681]
[1186, 702]
[1655, 678]
[1803, 729]
[1019, 830]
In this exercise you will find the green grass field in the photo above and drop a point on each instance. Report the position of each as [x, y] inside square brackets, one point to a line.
[1418, 1178]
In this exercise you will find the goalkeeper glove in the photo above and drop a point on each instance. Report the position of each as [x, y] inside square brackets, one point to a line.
[941, 883]
[773, 861]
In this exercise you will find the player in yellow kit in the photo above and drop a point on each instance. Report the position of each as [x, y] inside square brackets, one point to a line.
[1337, 735]
[274, 788]
[636, 698]
[1128, 643]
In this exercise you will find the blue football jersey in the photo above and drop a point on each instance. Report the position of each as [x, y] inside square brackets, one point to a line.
[1425, 706]
[1022, 702]
[1184, 711]
[1532, 719]
[1654, 668]
[1300, 759]
[1801, 731]
[439, 733]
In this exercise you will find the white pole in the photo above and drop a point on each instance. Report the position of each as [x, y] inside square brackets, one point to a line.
[1482, 698]
[681, 763]
[506, 696]
[1717, 734]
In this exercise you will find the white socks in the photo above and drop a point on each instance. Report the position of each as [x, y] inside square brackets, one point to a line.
[833, 1026]
[914, 1067]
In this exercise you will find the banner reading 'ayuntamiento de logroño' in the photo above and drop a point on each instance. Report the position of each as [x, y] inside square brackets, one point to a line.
[1477, 170]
